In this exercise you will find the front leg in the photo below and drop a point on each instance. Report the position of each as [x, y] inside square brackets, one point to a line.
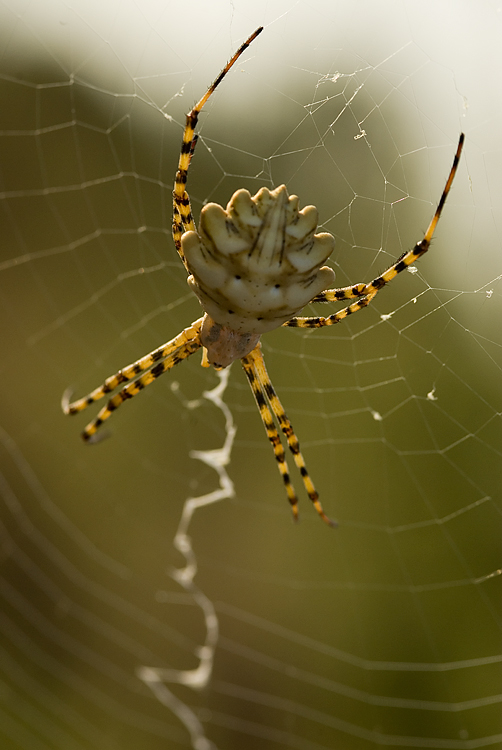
[331, 320]
[346, 292]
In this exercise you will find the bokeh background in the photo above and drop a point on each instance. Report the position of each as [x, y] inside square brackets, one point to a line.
[385, 631]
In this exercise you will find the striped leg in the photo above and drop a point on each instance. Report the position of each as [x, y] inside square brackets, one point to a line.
[155, 364]
[367, 292]
[183, 224]
[182, 211]
[138, 385]
[131, 371]
[263, 391]
[330, 320]
[336, 295]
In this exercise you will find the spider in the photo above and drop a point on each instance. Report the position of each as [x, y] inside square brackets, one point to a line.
[253, 266]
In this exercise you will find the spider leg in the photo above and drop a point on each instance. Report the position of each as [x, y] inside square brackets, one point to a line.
[179, 227]
[182, 210]
[263, 391]
[367, 292]
[335, 295]
[155, 364]
[129, 391]
[131, 371]
[331, 320]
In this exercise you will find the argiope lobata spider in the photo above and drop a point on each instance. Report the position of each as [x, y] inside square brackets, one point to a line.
[253, 266]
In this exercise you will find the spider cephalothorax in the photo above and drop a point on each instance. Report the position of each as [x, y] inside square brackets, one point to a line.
[254, 267]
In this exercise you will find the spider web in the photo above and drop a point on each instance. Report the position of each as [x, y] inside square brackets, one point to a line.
[155, 592]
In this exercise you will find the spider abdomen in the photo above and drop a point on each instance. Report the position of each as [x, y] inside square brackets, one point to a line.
[258, 263]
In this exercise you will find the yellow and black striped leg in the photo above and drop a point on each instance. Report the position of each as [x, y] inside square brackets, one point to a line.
[263, 391]
[131, 390]
[271, 430]
[337, 295]
[155, 364]
[367, 292]
[131, 371]
[177, 232]
[330, 320]
[182, 210]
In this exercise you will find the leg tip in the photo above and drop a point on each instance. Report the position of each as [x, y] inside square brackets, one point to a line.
[91, 438]
[65, 401]
[330, 522]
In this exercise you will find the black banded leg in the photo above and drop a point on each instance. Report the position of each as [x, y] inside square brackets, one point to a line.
[367, 292]
[271, 430]
[337, 295]
[331, 320]
[182, 210]
[131, 371]
[177, 233]
[263, 391]
[131, 390]
[407, 259]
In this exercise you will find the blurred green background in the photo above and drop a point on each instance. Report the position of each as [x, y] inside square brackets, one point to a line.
[383, 632]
